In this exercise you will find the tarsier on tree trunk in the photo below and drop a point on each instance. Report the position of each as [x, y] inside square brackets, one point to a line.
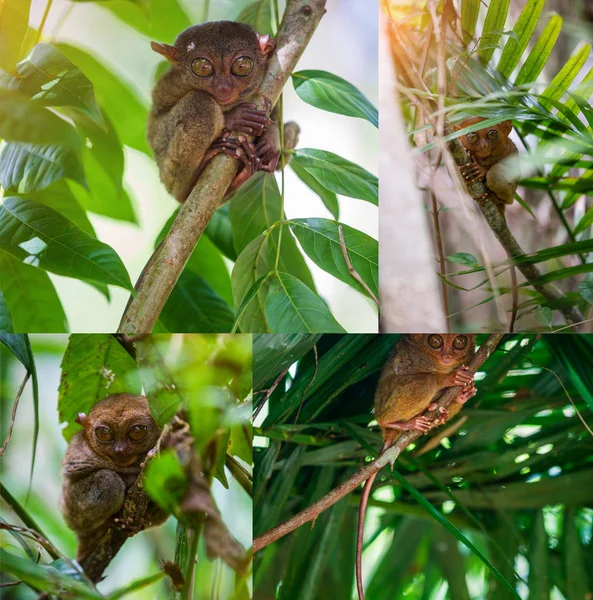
[102, 462]
[216, 70]
[488, 149]
[420, 367]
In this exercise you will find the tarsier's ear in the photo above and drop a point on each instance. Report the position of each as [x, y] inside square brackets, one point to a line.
[505, 127]
[81, 419]
[169, 52]
[266, 44]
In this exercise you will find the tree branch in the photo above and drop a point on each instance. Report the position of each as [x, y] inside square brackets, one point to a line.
[299, 22]
[388, 456]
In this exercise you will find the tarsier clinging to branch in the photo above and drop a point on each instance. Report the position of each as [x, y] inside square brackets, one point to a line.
[216, 70]
[420, 367]
[488, 149]
[102, 462]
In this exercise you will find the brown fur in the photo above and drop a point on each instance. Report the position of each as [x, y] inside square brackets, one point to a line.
[490, 155]
[189, 112]
[97, 475]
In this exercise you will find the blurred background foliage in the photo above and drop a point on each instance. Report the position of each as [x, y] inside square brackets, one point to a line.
[512, 474]
[83, 203]
[208, 375]
[529, 61]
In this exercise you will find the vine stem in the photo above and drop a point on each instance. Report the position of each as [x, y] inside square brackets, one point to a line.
[43, 20]
[299, 22]
[390, 455]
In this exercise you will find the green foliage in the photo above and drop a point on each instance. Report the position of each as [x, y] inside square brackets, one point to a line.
[66, 120]
[504, 479]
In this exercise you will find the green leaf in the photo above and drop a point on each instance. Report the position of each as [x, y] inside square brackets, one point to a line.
[103, 160]
[256, 310]
[291, 307]
[320, 239]
[258, 14]
[194, 307]
[23, 120]
[464, 258]
[470, 9]
[493, 25]
[219, 230]
[38, 235]
[6, 324]
[31, 297]
[334, 94]
[585, 222]
[26, 168]
[561, 82]
[14, 21]
[48, 77]
[328, 198]
[94, 367]
[118, 98]
[46, 578]
[515, 46]
[584, 90]
[165, 481]
[338, 174]
[59, 197]
[540, 52]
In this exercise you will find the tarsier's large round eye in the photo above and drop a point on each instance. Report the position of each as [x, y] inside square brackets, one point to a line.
[435, 341]
[492, 134]
[137, 433]
[472, 138]
[242, 66]
[460, 342]
[202, 67]
[103, 434]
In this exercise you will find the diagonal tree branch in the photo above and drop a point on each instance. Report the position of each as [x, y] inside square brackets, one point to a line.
[299, 22]
[388, 456]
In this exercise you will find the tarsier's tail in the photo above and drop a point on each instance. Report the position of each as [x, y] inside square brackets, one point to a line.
[362, 509]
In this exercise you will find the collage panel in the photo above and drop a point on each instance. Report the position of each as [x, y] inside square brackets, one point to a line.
[179, 166]
[486, 498]
[127, 470]
[485, 165]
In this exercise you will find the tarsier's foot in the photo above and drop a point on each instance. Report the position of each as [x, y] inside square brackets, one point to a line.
[465, 394]
[473, 172]
[421, 424]
[267, 156]
[237, 148]
[463, 377]
[149, 455]
[128, 525]
[246, 118]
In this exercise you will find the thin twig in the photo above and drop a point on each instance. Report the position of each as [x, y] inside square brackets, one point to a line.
[299, 22]
[13, 417]
[353, 272]
[268, 393]
[388, 456]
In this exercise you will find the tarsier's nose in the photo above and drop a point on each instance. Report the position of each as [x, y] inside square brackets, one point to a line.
[119, 449]
[224, 90]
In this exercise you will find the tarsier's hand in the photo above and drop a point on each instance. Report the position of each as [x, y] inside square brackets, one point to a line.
[473, 172]
[245, 118]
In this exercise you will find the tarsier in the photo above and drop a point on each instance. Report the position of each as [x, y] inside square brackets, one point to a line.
[102, 462]
[420, 367]
[216, 71]
[488, 149]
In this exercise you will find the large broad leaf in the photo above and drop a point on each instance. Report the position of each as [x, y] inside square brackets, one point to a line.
[103, 161]
[258, 14]
[117, 97]
[94, 367]
[334, 94]
[328, 198]
[24, 120]
[321, 241]
[48, 77]
[219, 230]
[194, 307]
[291, 307]
[27, 168]
[31, 298]
[338, 174]
[255, 207]
[38, 235]
[59, 197]
[14, 20]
